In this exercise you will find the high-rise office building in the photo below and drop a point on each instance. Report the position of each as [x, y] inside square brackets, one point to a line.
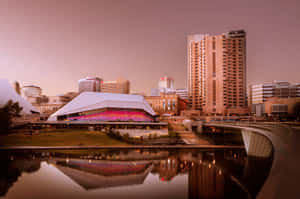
[89, 84]
[166, 82]
[117, 86]
[165, 85]
[259, 93]
[217, 73]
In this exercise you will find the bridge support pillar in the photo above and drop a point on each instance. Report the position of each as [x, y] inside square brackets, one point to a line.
[199, 127]
[256, 144]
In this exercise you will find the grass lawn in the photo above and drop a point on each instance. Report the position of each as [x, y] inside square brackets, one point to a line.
[59, 137]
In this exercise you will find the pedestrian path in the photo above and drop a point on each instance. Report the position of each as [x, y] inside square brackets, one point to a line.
[190, 137]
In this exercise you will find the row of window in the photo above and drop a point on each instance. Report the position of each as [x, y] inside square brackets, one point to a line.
[166, 105]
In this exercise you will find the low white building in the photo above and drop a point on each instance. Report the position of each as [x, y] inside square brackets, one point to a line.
[7, 92]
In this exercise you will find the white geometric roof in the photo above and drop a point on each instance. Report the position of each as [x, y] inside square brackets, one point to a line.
[89, 180]
[7, 92]
[97, 100]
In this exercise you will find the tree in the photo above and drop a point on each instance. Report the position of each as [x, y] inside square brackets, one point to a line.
[296, 111]
[7, 112]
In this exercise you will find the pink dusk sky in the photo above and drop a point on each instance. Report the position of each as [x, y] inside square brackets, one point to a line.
[54, 43]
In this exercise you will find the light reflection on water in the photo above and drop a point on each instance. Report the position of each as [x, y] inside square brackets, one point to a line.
[132, 174]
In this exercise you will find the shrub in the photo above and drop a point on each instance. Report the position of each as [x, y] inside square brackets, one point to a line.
[126, 137]
[174, 134]
[296, 111]
[7, 112]
[170, 127]
[118, 135]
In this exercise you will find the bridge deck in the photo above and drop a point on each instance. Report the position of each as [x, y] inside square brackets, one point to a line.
[122, 147]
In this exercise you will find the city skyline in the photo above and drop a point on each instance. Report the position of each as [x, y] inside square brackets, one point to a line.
[54, 44]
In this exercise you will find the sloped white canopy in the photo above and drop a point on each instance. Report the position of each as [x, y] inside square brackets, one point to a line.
[8, 93]
[95, 100]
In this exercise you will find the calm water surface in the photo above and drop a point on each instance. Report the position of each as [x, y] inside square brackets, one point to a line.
[131, 174]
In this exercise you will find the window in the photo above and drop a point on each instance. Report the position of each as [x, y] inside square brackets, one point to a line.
[214, 43]
[214, 63]
[214, 92]
[174, 104]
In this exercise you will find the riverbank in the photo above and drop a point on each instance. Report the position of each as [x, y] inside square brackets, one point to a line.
[212, 147]
[57, 137]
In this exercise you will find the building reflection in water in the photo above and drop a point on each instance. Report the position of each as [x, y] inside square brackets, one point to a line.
[11, 169]
[100, 174]
[210, 174]
[205, 182]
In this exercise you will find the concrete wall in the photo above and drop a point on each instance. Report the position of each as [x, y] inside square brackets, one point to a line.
[143, 132]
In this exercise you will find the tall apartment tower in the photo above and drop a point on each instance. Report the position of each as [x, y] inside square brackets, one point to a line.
[217, 73]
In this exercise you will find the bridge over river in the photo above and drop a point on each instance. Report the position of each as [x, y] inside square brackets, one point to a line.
[284, 139]
[260, 140]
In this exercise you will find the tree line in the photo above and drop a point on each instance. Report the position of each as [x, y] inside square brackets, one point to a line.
[7, 113]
